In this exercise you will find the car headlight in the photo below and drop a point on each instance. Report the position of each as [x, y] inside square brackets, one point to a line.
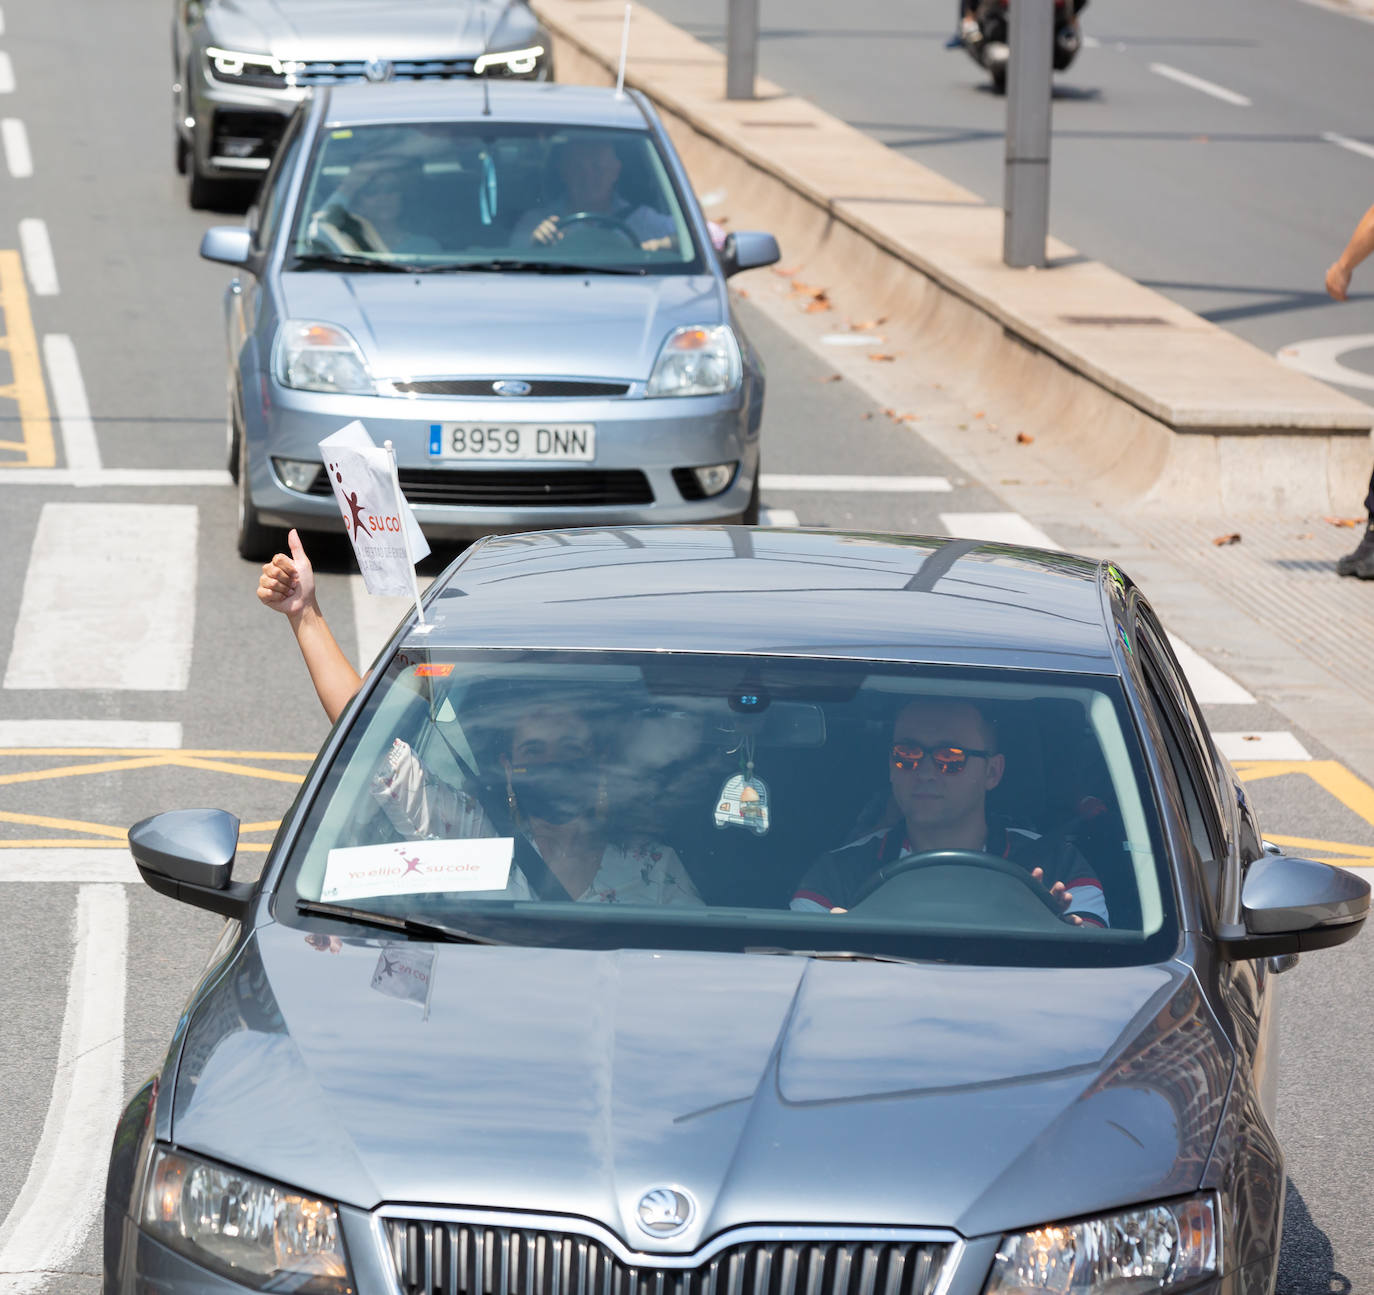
[238, 67]
[511, 62]
[697, 361]
[252, 1231]
[1149, 1248]
[312, 356]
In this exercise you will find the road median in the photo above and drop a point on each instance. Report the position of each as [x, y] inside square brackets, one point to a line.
[1138, 396]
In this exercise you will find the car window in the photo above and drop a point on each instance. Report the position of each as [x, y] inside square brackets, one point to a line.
[619, 799]
[277, 182]
[465, 194]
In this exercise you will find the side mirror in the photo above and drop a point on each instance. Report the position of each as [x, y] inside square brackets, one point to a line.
[188, 854]
[228, 244]
[1293, 905]
[748, 251]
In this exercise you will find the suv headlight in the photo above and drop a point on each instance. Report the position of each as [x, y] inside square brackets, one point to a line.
[236, 67]
[312, 356]
[511, 62]
[697, 361]
[251, 1231]
[1149, 1248]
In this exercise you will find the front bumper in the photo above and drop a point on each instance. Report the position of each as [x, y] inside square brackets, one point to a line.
[645, 450]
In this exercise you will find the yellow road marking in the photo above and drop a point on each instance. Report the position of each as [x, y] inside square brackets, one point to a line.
[76, 770]
[144, 750]
[65, 843]
[26, 386]
[1353, 792]
[243, 770]
[64, 824]
[259, 827]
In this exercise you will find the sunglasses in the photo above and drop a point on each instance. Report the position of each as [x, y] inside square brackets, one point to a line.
[948, 759]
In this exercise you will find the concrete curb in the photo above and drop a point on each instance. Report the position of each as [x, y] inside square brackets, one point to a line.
[1140, 398]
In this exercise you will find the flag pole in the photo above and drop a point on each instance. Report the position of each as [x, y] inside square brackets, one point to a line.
[405, 530]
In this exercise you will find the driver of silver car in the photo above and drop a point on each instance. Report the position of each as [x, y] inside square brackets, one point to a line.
[942, 763]
[589, 169]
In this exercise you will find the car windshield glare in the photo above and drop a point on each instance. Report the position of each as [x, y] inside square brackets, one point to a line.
[515, 197]
[664, 800]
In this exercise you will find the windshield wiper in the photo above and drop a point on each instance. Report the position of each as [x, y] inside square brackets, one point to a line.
[350, 261]
[515, 265]
[408, 925]
[834, 955]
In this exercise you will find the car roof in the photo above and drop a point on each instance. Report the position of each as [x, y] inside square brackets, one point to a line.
[793, 592]
[546, 102]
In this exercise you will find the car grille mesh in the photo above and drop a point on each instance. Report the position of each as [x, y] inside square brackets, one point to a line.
[574, 387]
[518, 488]
[321, 72]
[437, 1258]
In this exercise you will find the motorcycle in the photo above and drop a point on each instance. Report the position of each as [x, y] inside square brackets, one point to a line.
[986, 38]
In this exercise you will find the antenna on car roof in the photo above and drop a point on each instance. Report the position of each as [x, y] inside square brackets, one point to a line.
[624, 54]
[486, 45]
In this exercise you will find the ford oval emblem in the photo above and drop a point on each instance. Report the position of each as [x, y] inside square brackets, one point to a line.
[511, 387]
[379, 69]
[664, 1211]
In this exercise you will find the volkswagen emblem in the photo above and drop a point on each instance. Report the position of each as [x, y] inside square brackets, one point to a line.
[664, 1212]
[511, 387]
[379, 69]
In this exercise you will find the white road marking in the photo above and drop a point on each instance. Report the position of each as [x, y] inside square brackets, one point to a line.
[996, 528]
[1344, 141]
[38, 259]
[17, 155]
[858, 485]
[715, 198]
[1321, 358]
[778, 517]
[109, 599]
[1197, 83]
[2, 22]
[851, 339]
[375, 617]
[79, 445]
[71, 866]
[1254, 744]
[65, 1185]
[109, 733]
[1211, 686]
[6, 74]
[117, 477]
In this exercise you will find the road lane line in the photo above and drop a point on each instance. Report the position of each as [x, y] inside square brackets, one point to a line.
[996, 528]
[778, 517]
[47, 733]
[6, 74]
[90, 617]
[104, 832]
[82, 867]
[65, 1185]
[1197, 83]
[1211, 686]
[79, 445]
[160, 477]
[1257, 744]
[1344, 141]
[38, 258]
[26, 387]
[16, 141]
[831, 482]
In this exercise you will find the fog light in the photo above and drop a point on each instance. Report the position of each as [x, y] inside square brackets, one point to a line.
[296, 474]
[715, 478]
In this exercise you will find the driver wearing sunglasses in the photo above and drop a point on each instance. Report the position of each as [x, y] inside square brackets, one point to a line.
[942, 763]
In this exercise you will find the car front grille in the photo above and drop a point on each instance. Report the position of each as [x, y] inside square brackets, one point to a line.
[567, 387]
[460, 1258]
[323, 72]
[518, 488]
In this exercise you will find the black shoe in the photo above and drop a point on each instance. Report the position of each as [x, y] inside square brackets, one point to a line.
[1361, 562]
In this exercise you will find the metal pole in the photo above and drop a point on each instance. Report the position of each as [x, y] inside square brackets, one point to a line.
[741, 49]
[1029, 74]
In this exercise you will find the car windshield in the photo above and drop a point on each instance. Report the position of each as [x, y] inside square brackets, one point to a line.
[453, 196]
[607, 800]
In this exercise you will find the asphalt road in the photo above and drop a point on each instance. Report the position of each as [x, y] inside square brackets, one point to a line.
[142, 315]
[1233, 210]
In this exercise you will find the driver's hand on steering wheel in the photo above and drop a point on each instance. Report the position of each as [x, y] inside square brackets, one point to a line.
[1061, 893]
[547, 231]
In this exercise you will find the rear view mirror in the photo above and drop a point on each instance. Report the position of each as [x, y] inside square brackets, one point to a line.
[188, 854]
[1294, 905]
[748, 251]
[228, 244]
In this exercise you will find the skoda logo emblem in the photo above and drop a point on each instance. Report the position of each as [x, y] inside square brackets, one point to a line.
[664, 1212]
[511, 387]
[379, 69]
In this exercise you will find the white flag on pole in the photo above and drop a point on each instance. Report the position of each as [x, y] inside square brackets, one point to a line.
[374, 511]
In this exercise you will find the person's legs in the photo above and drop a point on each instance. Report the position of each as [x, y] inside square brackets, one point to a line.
[1360, 562]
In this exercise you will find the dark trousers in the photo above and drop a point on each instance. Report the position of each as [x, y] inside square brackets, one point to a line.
[1369, 498]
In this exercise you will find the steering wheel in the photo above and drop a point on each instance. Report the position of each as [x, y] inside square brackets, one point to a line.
[601, 221]
[956, 859]
[340, 230]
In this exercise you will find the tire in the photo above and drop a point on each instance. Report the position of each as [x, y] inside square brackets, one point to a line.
[750, 515]
[999, 79]
[256, 542]
[231, 439]
[179, 152]
[202, 193]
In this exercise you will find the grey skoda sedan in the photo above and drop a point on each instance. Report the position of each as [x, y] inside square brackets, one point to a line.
[512, 283]
[726, 912]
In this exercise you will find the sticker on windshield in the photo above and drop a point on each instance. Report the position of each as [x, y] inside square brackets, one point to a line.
[418, 868]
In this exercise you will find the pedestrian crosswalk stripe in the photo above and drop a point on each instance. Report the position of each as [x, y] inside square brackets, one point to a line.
[834, 483]
[68, 866]
[47, 733]
[996, 528]
[1254, 744]
[109, 599]
[778, 517]
[1211, 686]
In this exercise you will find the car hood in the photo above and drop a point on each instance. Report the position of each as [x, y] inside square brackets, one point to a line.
[773, 1089]
[344, 29]
[518, 325]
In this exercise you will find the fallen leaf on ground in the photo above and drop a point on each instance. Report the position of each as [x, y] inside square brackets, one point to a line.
[817, 304]
[1232, 537]
[865, 325]
[868, 415]
[1306, 535]
[785, 272]
[805, 289]
[881, 357]
[979, 414]
[1249, 737]
[834, 377]
[910, 418]
[741, 292]
[1024, 438]
[1344, 521]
